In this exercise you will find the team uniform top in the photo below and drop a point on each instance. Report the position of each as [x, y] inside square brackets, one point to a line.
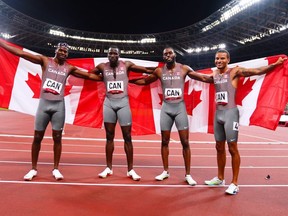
[116, 82]
[172, 84]
[225, 92]
[54, 80]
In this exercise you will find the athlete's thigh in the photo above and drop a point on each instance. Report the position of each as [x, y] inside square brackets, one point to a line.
[109, 114]
[219, 131]
[58, 116]
[42, 117]
[181, 119]
[232, 125]
[124, 115]
[166, 121]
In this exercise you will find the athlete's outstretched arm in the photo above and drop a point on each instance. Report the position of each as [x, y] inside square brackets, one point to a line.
[37, 59]
[146, 80]
[246, 72]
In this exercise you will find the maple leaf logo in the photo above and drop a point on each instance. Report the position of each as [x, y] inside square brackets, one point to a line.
[34, 83]
[243, 89]
[191, 100]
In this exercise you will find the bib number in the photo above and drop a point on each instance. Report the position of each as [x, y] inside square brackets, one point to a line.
[221, 98]
[173, 93]
[52, 86]
[115, 87]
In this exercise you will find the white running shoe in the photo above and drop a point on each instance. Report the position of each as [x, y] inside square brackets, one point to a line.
[215, 181]
[56, 173]
[162, 176]
[133, 175]
[190, 180]
[30, 175]
[232, 189]
[105, 173]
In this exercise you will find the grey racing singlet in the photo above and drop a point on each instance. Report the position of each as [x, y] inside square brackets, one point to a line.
[226, 121]
[172, 84]
[116, 86]
[225, 92]
[54, 80]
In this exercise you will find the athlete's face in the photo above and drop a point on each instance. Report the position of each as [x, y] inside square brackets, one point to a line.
[61, 53]
[221, 60]
[169, 55]
[113, 56]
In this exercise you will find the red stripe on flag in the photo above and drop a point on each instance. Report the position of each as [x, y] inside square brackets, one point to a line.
[212, 105]
[272, 97]
[8, 67]
[89, 112]
[90, 107]
[212, 108]
[141, 108]
[140, 99]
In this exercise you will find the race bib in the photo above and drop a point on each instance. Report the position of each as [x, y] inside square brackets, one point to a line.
[115, 87]
[221, 98]
[52, 86]
[172, 93]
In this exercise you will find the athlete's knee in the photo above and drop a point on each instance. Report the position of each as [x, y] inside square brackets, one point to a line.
[110, 133]
[165, 142]
[184, 142]
[185, 145]
[38, 137]
[233, 149]
[109, 136]
[127, 138]
[57, 136]
[220, 147]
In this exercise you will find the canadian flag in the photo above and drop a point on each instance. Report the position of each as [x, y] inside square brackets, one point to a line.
[260, 99]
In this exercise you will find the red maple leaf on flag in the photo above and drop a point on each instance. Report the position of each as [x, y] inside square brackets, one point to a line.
[243, 89]
[161, 98]
[34, 83]
[192, 99]
[67, 90]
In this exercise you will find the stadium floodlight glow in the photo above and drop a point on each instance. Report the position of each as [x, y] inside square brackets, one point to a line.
[76, 37]
[242, 5]
[283, 28]
[205, 49]
[210, 26]
[84, 49]
[6, 35]
[222, 46]
[57, 33]
[133, 52]
[148, 40]
[263, 34]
